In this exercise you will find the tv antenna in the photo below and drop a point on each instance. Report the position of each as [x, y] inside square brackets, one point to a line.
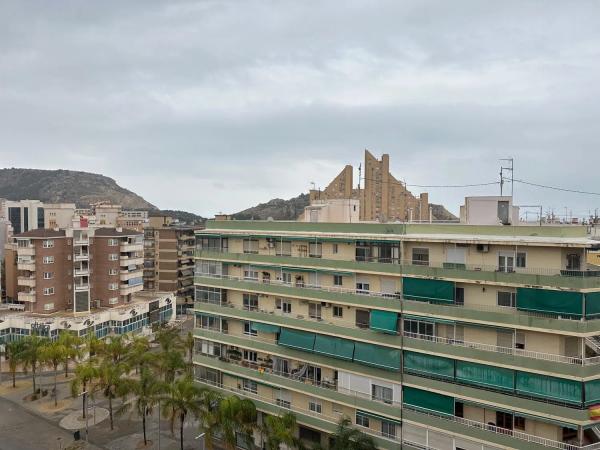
[512, 174]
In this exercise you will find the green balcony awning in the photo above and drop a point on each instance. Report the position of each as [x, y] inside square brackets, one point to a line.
[377, 356]
[335, 347]
[592, 304]
[481, 374]
[425, 289]
[428, 400]
[592, 392]
[428, 319]
[265, 327]
[428, 364]
[297, 339]
[548, 301]
[377, 416]
[386, 321]
[549, 387]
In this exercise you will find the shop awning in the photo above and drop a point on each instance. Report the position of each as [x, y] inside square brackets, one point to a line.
[385, 321]
[335, 347]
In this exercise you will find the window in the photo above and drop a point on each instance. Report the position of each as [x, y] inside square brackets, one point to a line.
[113, 301]
[519, 423]
[459, 296]
[113, 242]
[362, 318]
[520, 340]
[49, 243]
[418, 327]
[504, 420]
[507, 299]
[48, 306]
[315, 249]
[48, 260]
[459, 409]
[362, 288]
[112, 271]
[23, 243]
[113, 256]
[307, 434]
[248, 329]
[113, 286]
[286, 277]
[250, 273]
[388, 429]
[420, 256]
[283, 248]
[362, 420]
[334, 249]
[338, 311]
[249, 386]
[286, 306]
[338, 280]
[521, 260]
[250, 245]
[506, 262]
[573, 261]
[251, 302]
[249, 355]
[315, 406]
[382, 394]
[314, 311]
[49, 291]
[48, 275]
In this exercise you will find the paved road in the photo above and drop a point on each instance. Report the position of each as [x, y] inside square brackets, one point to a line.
[21, 430]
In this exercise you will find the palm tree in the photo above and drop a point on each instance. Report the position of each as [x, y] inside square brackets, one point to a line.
[85, 374]
[139, 354]
[32, 353]
[280, 430]
[14, 353]
[116, 348]
[169, 339]
[182, 400]
[208, 415]
[112, 383]
[189, 343]
[348, 438]
[53, 353]
[93, 345]
[170, 363]
[72, 344]
[148, 391]
[237, 416]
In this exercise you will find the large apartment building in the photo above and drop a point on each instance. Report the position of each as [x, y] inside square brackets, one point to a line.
[169, 259]
[75, 269]
[442, 336]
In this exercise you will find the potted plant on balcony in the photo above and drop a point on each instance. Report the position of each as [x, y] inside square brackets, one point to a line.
[234, 354]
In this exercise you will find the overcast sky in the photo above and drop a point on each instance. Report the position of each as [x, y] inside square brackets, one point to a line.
[216, 106]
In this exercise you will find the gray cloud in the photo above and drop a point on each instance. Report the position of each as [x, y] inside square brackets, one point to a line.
[216, 105]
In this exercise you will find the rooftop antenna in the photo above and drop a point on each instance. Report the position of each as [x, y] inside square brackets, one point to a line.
[512, 175]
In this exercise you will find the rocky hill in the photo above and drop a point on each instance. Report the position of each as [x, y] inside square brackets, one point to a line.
[56, 186]
[290, 209]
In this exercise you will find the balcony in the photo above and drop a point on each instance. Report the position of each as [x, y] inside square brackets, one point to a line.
[81, 241]
[131, 247]
[131, 260]
[28, 265]
[26, 281]
[82, 272]
[485, 353]
[81, 287]
[542, 277]
[81, 256]
[125, 289]
[26, 296]
[127, 275]
[489, 314]
[26, 251]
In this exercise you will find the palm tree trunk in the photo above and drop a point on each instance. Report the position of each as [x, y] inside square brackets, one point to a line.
[182, 417]
[144, 427]
[66, 367]
[55, 390]
[14, 376]
[33, 375]
[208, 440]
[110, 411]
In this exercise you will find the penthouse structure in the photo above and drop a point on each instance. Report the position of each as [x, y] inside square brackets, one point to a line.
[445, 336]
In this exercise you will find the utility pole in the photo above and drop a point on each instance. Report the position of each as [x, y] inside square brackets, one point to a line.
[511, 169]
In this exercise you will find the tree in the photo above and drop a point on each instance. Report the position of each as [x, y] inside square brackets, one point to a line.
[280, 430]
[189, 343]
[181, 401]
[116, 348]
[72, 344]
[53, 353]
[168, 339]
[139, 355]
[237, 416]
[32, 353]
[112, 383]
[14, 353]
[148, 391]
[348, 438]
[85, 374]
[170, 363]
[208, 415]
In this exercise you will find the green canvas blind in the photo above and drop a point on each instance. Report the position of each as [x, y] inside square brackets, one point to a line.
[547, 301]
[592, 392]
[428, 400]
[592, 304]
[300, 340]
[549, 387]
[485, 375]
[377, 356]
[423, 363]
[333, 346]
[265, 327]
[424, 289]
[385, 321]
[377, 417]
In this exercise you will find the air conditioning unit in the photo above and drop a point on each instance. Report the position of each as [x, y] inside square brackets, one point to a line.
[483, 248]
